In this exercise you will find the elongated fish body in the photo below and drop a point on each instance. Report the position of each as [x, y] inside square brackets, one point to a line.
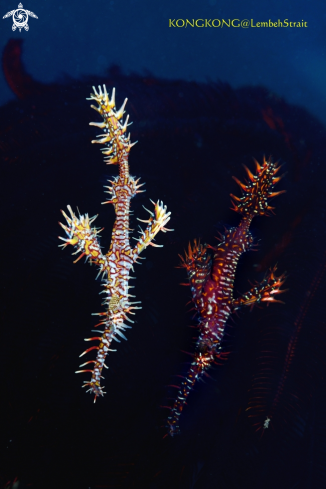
[116, 265]
[211, 273]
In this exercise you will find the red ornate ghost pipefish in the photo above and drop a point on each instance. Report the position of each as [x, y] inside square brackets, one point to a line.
[211, 277]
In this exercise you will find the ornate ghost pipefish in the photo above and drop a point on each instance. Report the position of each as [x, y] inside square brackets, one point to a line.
[211, 278]
[116, 264]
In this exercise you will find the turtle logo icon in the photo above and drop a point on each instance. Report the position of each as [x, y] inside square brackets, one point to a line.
[20, 18]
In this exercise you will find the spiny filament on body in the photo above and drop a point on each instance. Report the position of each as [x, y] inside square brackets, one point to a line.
[211, 272]
[116, 264]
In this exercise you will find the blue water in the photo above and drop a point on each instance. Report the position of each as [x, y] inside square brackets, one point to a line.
[86, 37]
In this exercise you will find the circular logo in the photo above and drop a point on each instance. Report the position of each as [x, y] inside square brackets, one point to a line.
[20, 18]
